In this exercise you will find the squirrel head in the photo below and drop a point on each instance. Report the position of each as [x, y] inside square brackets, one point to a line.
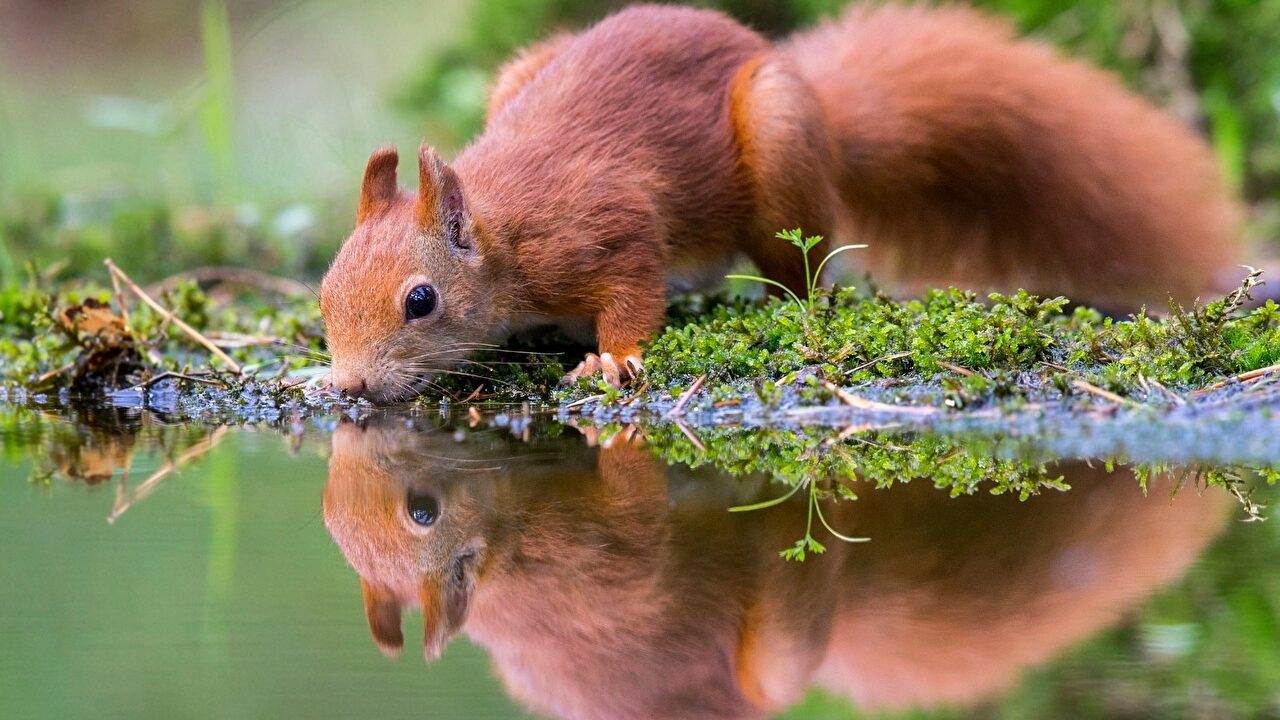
[412, 291]
[414, 519]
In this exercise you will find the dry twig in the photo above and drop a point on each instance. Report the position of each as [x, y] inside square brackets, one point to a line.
[686, 396]
[862, 403]
[874, 361]
[957, 369]
[169, 316]
[1244, 377]
[583, 401]
[177, 376]
[693, 438]
[1088, 387]
[126, 500]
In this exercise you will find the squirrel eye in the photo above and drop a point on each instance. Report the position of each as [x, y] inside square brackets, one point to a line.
[419, 302]
[423, 508]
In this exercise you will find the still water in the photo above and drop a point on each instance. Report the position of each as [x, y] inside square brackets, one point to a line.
[166, 570]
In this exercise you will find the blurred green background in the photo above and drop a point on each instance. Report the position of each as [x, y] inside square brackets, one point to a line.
[190, 132]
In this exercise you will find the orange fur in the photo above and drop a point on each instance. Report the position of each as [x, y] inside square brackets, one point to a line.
[966, 156]
[517, 72]
[644, 154]
[622, 589]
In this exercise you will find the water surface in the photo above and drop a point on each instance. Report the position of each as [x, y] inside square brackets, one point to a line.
[159, 569]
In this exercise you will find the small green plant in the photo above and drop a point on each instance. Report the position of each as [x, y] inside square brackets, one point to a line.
[808, 543]
[811, 277]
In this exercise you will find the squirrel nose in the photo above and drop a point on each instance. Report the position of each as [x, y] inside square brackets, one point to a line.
[351, 385]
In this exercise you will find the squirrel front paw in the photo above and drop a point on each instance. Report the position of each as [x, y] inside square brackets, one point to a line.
[627, 436]
[615, 373]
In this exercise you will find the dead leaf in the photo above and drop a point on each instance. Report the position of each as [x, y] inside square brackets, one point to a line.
[94, 318]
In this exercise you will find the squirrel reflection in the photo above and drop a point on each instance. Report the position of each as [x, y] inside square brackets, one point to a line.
[606, 585]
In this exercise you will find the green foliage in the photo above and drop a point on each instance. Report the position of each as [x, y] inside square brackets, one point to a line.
[37, 353]
[285, 345]
[1007, 344]
[64, 236]
[1006, 347]
[811, 456]
[830, 467]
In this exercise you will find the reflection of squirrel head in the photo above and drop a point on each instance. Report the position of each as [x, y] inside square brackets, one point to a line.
[605, 584]
[412, 514]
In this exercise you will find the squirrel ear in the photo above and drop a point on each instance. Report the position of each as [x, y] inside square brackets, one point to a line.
[383, 611]
[440, 201]
[379, 189]
[446, 601]
[435, 625]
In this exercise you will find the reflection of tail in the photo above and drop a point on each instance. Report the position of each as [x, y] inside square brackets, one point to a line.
[969, 157]
[928, 624]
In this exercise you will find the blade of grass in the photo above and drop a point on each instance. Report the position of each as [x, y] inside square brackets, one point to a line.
[766, 503]
[168, 315]
[821, 518]
[767, 281]
[217, 106]
[817, 275]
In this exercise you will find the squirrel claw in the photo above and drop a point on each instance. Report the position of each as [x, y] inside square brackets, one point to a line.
[615, 373]
[589, 366]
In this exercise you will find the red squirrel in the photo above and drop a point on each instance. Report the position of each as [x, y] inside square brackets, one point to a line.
[645, 154]
[612, 585]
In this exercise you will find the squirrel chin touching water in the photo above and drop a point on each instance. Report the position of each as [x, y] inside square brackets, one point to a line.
[645, 154]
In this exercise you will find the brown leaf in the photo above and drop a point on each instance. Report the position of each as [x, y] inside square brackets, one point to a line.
[94, 318]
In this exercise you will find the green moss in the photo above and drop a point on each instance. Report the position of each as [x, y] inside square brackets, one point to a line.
[798, 456]
[983, 350]
[967, 351]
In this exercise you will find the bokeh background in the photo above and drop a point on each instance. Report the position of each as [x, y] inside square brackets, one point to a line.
[191, 132]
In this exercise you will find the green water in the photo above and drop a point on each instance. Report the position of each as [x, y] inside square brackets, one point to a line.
[597, 582]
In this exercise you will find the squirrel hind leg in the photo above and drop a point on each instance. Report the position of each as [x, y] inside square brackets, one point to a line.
[785, 153]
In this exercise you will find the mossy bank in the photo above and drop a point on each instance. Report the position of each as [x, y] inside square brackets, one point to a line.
[950, 350]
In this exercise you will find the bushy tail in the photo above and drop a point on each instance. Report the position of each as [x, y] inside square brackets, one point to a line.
[969, 156]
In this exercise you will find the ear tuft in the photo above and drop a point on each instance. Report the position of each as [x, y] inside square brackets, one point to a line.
[379, 189]
[431, 171]
[446, 600]
[383, 612]
[441, 203]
